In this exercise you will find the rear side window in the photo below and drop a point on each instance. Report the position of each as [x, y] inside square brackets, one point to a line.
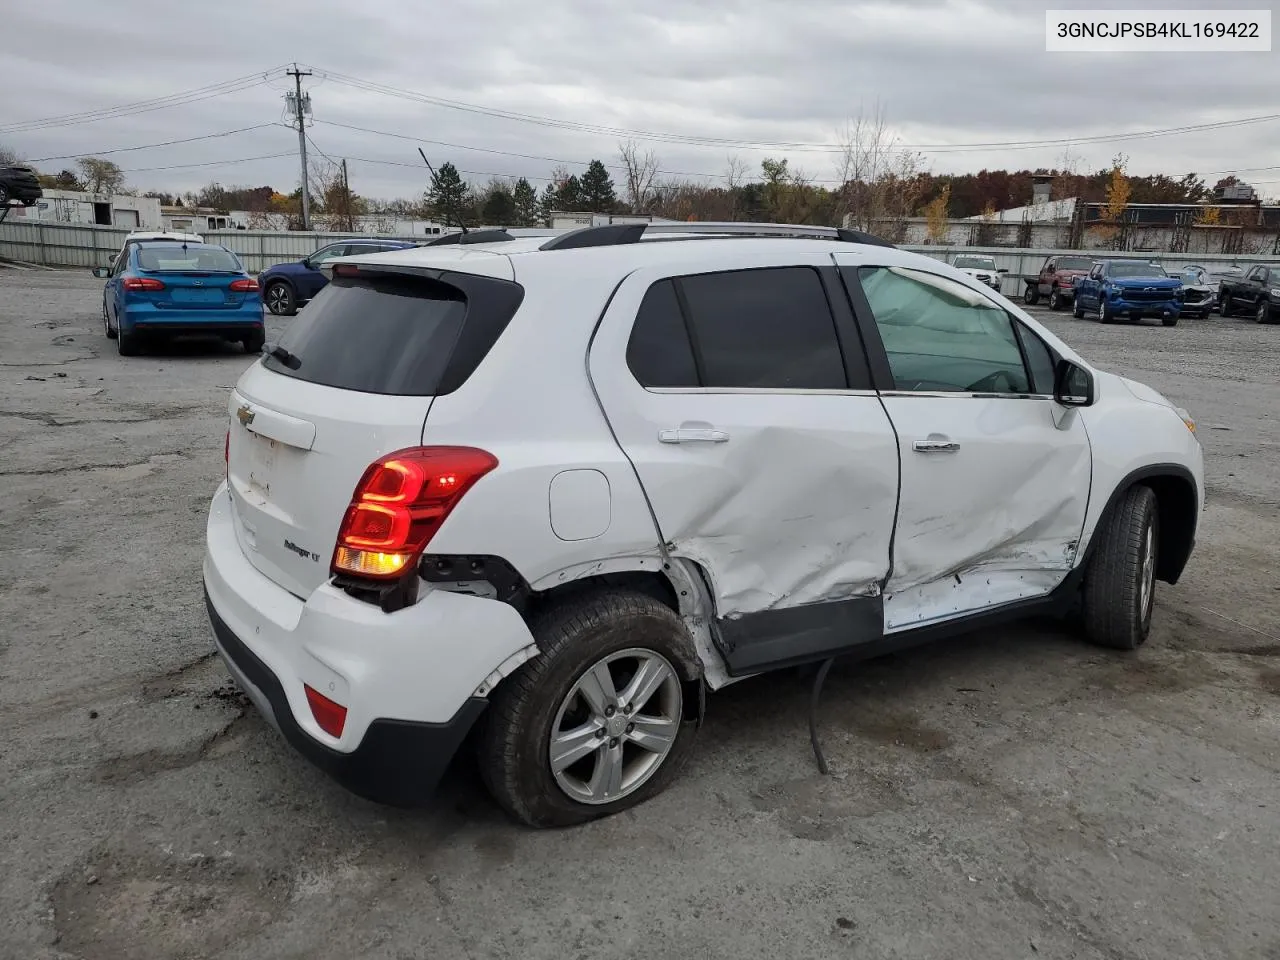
[396, 334]
[659, 353]
[768, 328]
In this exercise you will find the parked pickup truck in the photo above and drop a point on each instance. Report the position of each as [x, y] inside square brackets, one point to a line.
[1257, 292]
[1057, 280]
[1129, 288]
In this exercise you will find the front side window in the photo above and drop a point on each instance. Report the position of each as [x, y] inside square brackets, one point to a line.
[941, 335]
[325, 254]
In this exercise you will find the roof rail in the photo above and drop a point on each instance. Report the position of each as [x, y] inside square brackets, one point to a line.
[472, 236]
[616, 234]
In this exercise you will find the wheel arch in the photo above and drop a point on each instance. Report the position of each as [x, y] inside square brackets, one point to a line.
[1177, 506]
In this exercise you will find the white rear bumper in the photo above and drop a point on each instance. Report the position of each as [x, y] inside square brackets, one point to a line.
[418, 664]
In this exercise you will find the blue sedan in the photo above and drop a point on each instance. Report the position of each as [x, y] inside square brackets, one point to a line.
[286, 286]
[167, 288]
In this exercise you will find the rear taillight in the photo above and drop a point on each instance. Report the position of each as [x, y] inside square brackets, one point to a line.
[400, 503]
[244, 286]
[142, 283]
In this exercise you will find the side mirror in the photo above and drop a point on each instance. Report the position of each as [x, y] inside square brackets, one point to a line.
[1050, 270]
[102, 273]
[306, 262]
[1072, 385]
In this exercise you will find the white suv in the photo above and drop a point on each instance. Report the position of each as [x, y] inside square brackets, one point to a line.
[554, 490]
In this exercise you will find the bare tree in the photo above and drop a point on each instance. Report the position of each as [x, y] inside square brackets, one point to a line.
[736, 172]
[641, 170]
[879, 179]
[8, 156]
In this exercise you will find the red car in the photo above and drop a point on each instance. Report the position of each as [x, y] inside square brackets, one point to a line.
[1057, 280]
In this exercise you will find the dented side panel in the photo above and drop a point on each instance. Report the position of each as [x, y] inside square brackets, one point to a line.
[793, 505]
[1006, 504]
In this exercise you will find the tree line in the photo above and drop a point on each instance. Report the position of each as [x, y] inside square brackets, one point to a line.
[876, 182]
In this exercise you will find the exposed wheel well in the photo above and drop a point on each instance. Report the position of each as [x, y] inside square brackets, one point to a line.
[651, 584]
[1176, 507]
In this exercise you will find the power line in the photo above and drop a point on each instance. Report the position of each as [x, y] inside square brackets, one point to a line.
[619, 167]
[799, 146]
[150, 146]
[210, 163]
[183, 98]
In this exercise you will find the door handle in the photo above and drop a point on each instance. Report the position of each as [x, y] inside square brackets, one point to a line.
[935, 446]
[693, 435]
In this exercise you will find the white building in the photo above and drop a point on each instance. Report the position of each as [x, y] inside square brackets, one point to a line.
[107, 210]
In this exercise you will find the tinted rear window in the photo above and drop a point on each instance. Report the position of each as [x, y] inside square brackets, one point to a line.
[165, 257]
[400, 335]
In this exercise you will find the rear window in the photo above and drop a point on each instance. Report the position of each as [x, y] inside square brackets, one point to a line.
[396, 334]
[164, 257]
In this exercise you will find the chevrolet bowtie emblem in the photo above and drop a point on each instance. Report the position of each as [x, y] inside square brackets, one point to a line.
[245, 415]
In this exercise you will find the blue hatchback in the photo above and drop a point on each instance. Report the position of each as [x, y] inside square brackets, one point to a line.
[286, 286]
[164, 288]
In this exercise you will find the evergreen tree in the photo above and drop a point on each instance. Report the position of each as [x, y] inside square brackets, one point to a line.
[528, 213]
[596, 189]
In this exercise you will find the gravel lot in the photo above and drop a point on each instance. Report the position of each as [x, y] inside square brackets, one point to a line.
[1010, 794]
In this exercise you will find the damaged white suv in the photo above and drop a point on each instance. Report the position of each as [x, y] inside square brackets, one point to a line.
[549, 492]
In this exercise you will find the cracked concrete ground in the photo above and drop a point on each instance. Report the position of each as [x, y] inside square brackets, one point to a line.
[1011, 794]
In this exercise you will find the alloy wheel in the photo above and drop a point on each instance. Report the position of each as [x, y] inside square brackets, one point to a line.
[616, 726]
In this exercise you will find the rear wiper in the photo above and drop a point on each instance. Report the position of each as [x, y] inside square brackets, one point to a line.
[290, 360]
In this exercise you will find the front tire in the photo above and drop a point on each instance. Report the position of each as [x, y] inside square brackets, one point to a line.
[1031, 296]
[1055, 299]
[600, 720]
[4, 196]
[106, 323]
[1119, 585]
[1224, 304]
[1169, 321]
[1104, 315]
[1264, 312]
[280, 299]
[1077, 309]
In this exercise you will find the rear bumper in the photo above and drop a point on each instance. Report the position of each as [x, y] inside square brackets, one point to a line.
[397, 762]
[410, 680]
[145, 318]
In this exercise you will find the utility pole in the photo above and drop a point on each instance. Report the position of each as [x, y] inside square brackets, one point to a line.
[301, 107]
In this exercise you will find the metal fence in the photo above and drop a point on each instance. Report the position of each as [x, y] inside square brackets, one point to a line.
[87, 246]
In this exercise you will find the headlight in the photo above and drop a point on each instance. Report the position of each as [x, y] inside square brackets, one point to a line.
[1275, 292]
[1186, 419]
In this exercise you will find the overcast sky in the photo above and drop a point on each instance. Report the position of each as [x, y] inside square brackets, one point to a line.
[947, 72]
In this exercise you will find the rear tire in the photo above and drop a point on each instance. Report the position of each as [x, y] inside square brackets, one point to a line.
[529, 707]
[1169, 321]
[128, 344]
[4, 196]
[254, 343]
[1119, 584]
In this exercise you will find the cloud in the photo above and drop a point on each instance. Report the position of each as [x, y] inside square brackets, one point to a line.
[947, 72]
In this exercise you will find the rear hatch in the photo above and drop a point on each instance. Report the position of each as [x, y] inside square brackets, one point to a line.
[351, 380]
[191, 278]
